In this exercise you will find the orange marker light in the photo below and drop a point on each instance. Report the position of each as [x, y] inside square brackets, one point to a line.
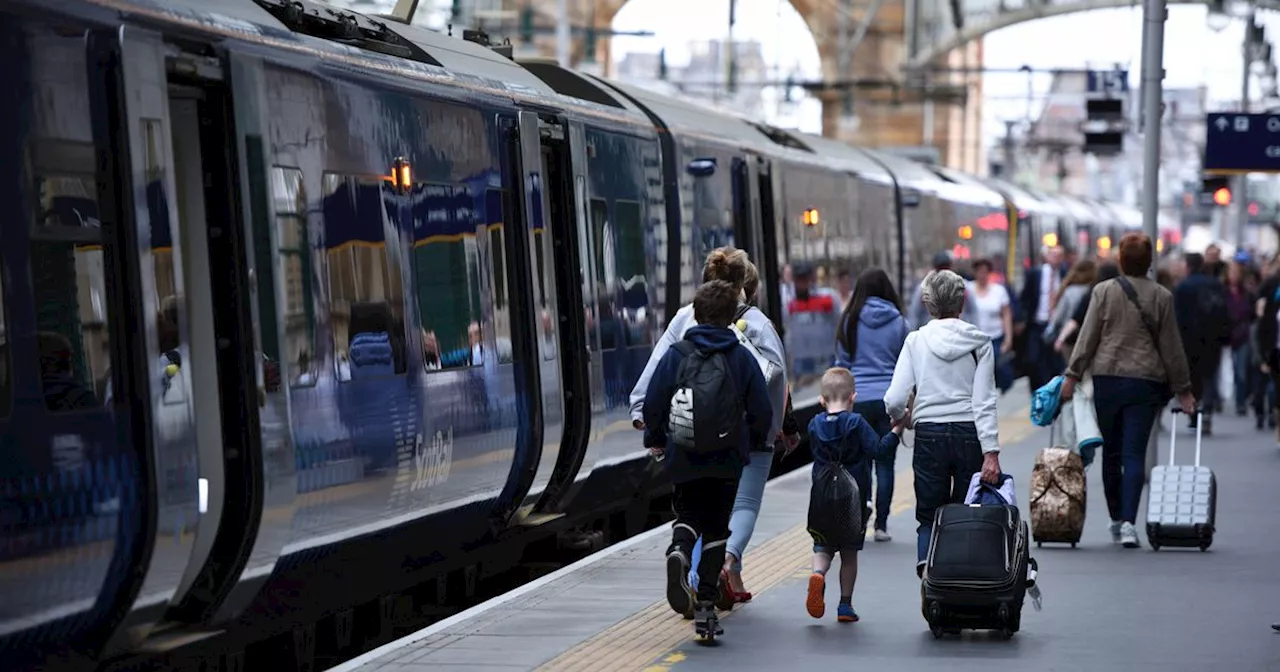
[1222, 196]
[1104, 243]
[966, 232]
[1050, 240]
[401, 174]
[811, 217]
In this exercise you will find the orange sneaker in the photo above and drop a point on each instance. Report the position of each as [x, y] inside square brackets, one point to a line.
[813, 603]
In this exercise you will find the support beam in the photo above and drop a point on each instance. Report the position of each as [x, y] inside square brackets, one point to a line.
[404, 11]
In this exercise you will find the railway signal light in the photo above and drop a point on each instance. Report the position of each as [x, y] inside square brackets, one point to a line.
[1104, 130]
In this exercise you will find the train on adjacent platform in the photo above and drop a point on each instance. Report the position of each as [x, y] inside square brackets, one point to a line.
[300, 308]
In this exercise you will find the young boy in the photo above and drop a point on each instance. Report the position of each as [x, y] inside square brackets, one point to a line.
[841, 437]
[706, 405]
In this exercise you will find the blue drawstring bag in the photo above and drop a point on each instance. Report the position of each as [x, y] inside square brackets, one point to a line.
[1045, 403]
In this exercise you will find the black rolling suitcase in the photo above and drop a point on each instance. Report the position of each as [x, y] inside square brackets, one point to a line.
[1182, 500]
[978, 570]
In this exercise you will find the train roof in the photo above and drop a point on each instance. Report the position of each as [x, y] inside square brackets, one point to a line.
[972, 185]
[847, 156]
[466, 57]
[578, 85]
[695, 120]
[1024, 200]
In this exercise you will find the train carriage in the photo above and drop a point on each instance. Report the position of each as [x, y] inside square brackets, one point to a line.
[302, 309]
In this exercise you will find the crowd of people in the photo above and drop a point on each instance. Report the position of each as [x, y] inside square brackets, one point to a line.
[714, 404]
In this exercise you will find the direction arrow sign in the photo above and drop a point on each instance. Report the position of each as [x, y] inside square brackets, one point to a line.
[1242, 143]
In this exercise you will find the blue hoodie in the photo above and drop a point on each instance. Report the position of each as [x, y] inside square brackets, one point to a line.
[881, 333]
[747, 379]
[847, 439]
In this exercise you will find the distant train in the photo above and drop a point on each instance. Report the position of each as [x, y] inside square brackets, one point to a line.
[300, 308]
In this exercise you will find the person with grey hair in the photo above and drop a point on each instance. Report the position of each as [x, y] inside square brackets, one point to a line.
[950, 366]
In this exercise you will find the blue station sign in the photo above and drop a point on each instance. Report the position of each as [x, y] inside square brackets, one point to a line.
[1242, 143]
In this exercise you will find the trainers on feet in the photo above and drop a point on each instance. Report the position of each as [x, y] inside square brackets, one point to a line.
[846, 614]
[813, 603]
[1129, 535]
[679, 594]
[1115, 531]
[882, 535]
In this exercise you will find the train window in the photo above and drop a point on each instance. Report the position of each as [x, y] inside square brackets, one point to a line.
[295, 264]
[68, 279]
[6, 388]
[608, 316]
[629, 252]
[366, 293]
[446, 262]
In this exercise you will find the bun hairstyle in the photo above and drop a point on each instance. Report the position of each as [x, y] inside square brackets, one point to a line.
[727, 264]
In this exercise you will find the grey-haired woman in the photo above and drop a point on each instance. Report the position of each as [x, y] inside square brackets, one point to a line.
[950, 364]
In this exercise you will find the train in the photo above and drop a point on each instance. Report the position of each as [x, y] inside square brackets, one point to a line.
[301, 308]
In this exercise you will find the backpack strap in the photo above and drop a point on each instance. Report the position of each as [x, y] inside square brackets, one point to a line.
[1132, 294]
[686, 348]
[743, 309]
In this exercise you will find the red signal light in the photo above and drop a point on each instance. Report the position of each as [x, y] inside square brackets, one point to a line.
[1253, 209]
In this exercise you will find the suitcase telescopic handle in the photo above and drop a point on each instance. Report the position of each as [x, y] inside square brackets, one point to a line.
[1173, 433]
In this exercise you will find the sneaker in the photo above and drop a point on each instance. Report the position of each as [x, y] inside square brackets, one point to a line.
[846, 614]
[920, 569]
[1129, 535]
[1275, 626]
[1115, 531]
[882, 535]
[813, 602]
[679, 594]
[705, 621]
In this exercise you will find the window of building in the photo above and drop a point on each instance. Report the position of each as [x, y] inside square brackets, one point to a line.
[295, 268]
[366, 293]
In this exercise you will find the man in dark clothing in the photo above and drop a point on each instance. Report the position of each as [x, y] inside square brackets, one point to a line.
[699, 381]
[1039, 294]
[1200, 304]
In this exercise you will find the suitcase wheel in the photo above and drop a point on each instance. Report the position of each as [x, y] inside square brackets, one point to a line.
[1155, 545]
[1040, 544]
[936, 630]
[1073, 544]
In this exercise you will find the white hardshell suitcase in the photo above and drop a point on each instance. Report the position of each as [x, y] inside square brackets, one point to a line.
[1182, 500]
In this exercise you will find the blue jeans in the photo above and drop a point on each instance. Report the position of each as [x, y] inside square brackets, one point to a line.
[1127, 409]
[746, 508]
[946, 457]
[875, 415]
[1244, 372]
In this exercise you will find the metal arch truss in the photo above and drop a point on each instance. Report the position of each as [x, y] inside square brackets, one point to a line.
[978, 24]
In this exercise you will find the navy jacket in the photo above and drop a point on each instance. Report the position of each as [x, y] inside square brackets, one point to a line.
[749, 382]
[847, 439]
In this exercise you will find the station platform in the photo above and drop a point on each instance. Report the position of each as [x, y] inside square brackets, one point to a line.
[1105, 607]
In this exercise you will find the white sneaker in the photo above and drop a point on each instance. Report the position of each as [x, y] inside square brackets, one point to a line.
[882, 535]
[1115, 531]
[1129, 536]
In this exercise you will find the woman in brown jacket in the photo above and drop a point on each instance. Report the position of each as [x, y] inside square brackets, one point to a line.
[1129, 342]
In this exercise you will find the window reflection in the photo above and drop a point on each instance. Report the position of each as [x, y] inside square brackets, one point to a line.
[295, 267]
[68, 282]
[365, 289]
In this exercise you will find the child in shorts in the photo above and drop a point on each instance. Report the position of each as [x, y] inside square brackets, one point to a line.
[839, 436]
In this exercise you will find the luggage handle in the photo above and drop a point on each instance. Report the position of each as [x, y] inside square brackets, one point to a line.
[1173, 434]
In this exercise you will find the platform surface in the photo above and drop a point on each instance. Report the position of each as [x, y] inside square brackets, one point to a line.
[1105, 607]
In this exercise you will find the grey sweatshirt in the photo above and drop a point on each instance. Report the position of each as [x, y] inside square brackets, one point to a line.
[759, 331]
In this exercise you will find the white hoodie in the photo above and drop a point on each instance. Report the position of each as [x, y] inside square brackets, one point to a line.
[950, 386]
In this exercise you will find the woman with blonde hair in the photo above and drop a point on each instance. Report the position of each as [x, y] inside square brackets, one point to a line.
[730, 265]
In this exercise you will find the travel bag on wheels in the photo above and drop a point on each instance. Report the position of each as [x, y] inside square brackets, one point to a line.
[1182, 500]
[978, 570]
[1057, 496]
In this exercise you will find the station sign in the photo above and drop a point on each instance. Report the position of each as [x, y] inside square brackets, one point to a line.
[1109, 82]
[1242, 143]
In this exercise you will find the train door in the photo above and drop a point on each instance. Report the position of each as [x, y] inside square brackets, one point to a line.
[557, 372]
[202, 364]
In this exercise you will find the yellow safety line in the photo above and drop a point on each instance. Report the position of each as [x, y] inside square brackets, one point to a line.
[645, 640]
